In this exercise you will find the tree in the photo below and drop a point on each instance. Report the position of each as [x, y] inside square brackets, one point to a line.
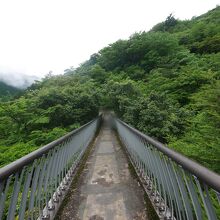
[170, 22]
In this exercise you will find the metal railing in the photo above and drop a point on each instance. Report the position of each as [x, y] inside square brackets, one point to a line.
[178, 187]
[34, 186]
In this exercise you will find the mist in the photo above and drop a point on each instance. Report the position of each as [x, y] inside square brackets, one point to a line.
[18, 80]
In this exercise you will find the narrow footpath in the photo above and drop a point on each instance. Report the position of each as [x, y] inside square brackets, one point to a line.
[106, 189]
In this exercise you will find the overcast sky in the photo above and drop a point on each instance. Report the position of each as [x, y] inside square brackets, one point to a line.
[37, 36]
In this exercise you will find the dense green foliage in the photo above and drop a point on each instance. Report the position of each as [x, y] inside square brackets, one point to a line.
[6, 91]
[164, 82]
[45, 112]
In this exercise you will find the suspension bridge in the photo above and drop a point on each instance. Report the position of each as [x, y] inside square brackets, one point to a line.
[108, 170]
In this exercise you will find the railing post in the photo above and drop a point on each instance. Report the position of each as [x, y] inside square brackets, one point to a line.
[34, 186]
[178, 187]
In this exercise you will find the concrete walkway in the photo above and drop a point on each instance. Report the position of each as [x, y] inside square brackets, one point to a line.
[106, 190]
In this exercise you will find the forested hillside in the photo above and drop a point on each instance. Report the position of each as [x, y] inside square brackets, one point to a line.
[6, 91]
[165, 82]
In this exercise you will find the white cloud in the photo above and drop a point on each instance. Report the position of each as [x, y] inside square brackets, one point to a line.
[18, 80]
[43, 35]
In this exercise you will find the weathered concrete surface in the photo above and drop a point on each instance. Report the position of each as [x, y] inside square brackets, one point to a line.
[106, 189]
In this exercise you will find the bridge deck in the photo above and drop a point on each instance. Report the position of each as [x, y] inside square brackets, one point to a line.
[106, 189]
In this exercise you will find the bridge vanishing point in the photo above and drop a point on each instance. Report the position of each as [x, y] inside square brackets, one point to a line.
[107, 170]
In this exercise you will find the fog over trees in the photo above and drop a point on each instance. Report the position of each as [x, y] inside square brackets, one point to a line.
[18, 80]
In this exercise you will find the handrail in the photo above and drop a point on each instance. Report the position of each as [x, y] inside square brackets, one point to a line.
[209, 177]
[25, 160]
[177, 187]
[34, 186]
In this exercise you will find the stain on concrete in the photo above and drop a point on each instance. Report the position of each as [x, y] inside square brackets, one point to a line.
[96, 217]
[112, 168]
[106, 137]
[105, 147]
[103, 182]
[102, 172]
[110, 206]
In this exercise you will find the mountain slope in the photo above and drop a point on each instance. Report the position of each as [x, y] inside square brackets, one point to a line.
[7, 91]
[154, 81]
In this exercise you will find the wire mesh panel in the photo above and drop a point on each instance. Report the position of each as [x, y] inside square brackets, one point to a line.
[31, 187]
[177, 187]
